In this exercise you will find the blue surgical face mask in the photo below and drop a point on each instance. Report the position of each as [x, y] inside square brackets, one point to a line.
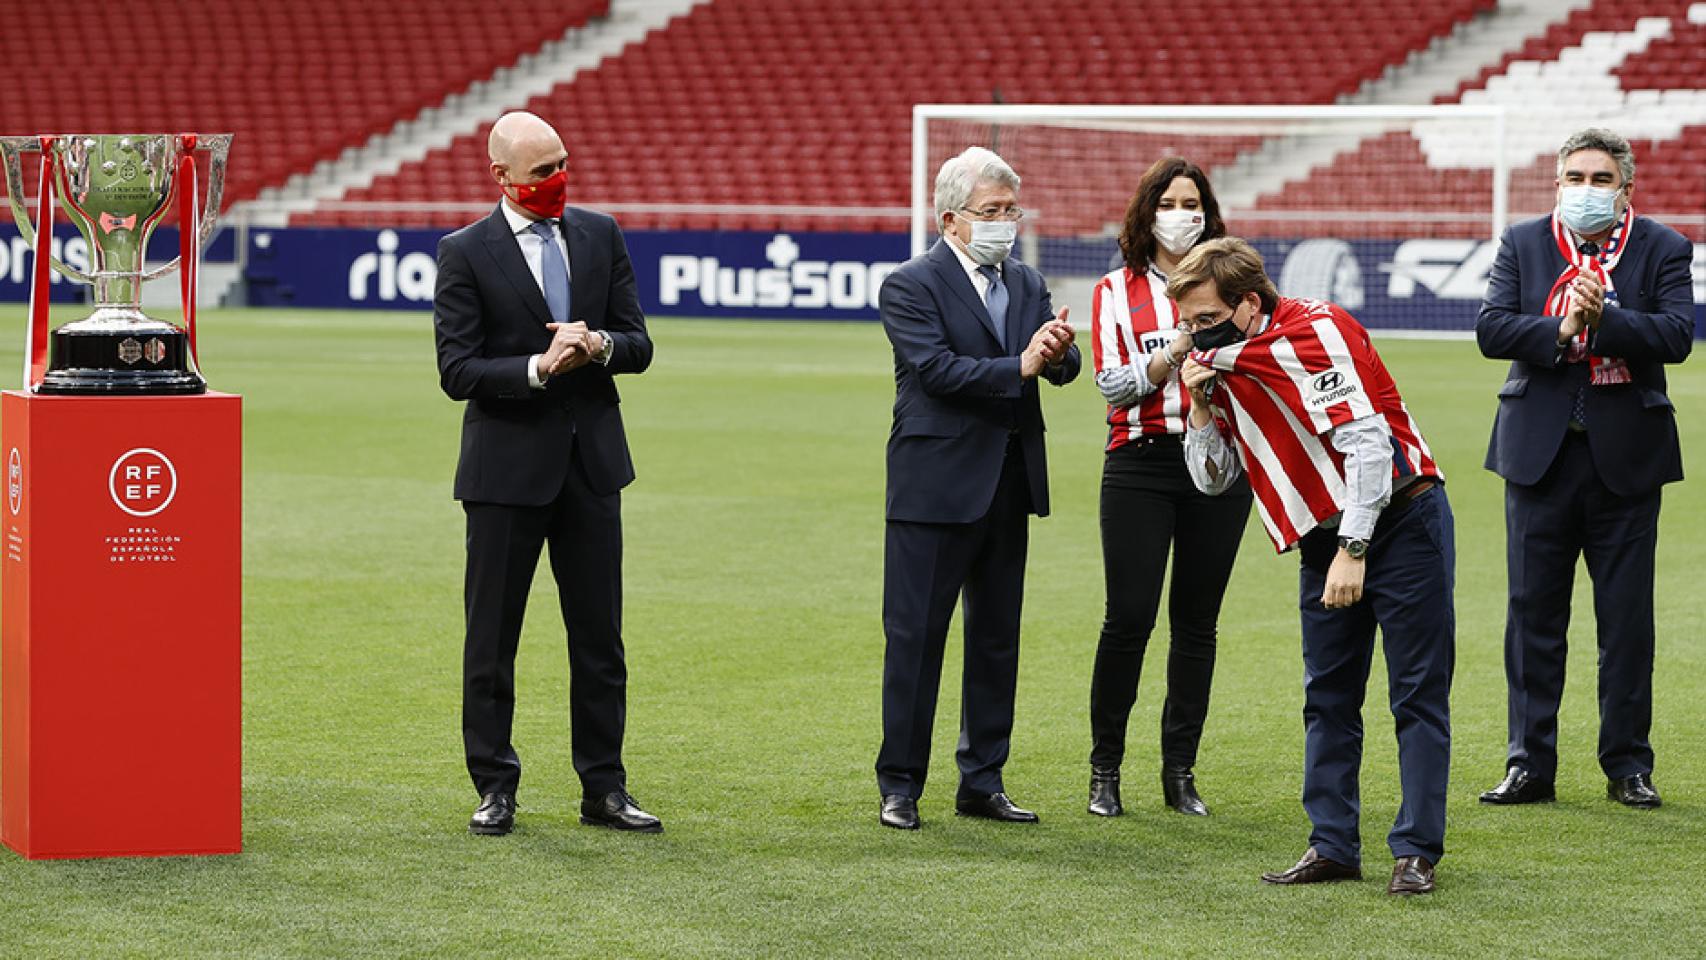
[1586, 209]
[992, 240]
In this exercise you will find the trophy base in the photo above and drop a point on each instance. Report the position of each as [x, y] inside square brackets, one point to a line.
[140, 359]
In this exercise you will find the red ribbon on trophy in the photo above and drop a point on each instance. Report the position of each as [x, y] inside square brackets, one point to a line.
[189, 241]
[35, 358]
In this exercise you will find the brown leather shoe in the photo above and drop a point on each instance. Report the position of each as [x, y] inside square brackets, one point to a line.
[1314, 868]
[1410, 876]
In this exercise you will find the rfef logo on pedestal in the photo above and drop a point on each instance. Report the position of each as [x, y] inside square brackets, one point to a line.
[14, 481]
[143, 482]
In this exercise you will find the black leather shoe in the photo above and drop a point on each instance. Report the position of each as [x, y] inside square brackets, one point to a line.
[1520, 786]
[900, 812]
[995, 806]
[495, 815]
[1410, 876]
[1179, 790]
[1314, 868]
[1105, 791]
[1635, 791]
[618, 811]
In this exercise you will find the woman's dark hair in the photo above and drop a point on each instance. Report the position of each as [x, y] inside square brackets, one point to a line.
[1137, 237]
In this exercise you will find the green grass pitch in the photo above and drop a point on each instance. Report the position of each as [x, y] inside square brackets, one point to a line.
[753, 577]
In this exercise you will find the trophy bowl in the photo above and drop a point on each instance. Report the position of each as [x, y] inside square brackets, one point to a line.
[116, 188]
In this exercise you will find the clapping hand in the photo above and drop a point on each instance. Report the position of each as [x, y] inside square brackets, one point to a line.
[1587, 303]
[1589, 298]
[1048, 346]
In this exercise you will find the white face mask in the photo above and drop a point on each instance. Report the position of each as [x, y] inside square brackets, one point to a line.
[1178, 230]
[992, 240]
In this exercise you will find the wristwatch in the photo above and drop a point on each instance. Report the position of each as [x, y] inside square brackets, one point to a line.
[1355, 547]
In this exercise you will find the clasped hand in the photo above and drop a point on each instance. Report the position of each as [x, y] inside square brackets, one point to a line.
[1048, 345]
[572, 346]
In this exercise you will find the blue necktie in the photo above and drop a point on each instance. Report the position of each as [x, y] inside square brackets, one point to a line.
[553, 271]
[996, 301]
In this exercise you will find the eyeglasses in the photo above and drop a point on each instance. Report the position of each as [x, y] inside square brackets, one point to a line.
[1205, 320]
[995, 213]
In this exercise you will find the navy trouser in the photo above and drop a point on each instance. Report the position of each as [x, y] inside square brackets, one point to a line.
[1568, 514]
[1407, 593]
[927, 567]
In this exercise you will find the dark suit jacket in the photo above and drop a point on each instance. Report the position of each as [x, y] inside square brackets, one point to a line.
[958, 393]
[489, 317]
[1631, 427]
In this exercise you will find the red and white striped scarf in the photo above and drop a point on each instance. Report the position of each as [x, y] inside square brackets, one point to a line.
[1606, 370]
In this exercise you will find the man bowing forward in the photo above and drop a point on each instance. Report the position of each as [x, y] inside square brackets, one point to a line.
[972, 330]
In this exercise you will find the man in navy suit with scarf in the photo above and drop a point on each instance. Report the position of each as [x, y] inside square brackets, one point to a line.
[1589, 304]
[535, 312]
[973, 331]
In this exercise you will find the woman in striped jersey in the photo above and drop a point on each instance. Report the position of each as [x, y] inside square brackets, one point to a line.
[1147, 493]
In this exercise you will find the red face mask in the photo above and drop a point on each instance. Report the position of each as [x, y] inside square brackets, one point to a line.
[543, 199]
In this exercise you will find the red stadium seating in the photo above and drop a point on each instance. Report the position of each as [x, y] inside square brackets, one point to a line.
[1616, 15]
[1670, 173]
[1678, 60]
[296, 81]
[765, 102]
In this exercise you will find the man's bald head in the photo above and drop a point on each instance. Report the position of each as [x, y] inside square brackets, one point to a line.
[518, 131]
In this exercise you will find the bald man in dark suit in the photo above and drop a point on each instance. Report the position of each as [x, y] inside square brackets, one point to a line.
[535, 313]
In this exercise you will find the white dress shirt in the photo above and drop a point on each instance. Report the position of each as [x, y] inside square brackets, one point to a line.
[979, 282]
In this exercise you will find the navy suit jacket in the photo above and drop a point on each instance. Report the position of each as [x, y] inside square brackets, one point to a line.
[489, 318]
[958, 392]
[1631, 427]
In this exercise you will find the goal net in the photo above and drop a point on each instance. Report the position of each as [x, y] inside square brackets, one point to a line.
[1392, 212]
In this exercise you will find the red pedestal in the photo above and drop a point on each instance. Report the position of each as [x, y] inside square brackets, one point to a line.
[121, 630]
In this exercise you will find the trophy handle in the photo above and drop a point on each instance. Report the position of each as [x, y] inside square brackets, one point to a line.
[10, 150]
[219, 146]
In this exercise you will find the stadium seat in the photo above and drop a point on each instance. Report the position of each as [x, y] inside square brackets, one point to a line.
[745, 86]
[296, 83]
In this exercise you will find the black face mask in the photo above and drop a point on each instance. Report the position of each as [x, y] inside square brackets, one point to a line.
[1220, 335]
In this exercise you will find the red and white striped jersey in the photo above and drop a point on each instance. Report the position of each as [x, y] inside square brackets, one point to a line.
[1131, 318]
[1284, 389]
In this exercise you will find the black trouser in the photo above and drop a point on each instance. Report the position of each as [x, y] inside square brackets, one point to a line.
[1571, 513]
[584, 530]
[1151, 508]
[927, 567]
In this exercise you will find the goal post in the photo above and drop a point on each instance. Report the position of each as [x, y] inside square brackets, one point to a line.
[1392, 211]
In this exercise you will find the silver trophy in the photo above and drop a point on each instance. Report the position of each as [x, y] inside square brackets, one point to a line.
[116, 188]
